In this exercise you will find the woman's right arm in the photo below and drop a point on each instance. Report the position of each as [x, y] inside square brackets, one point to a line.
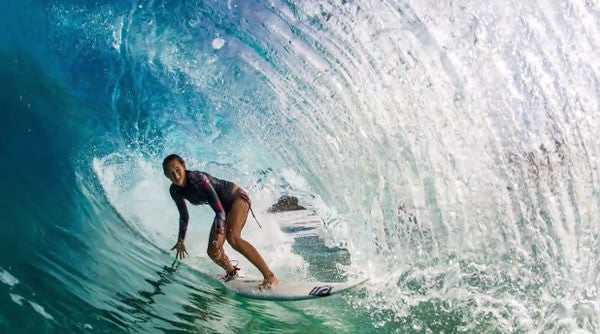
[184, 217]
[183, 213]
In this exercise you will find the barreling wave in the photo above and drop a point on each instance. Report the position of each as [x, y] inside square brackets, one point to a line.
[447, 151]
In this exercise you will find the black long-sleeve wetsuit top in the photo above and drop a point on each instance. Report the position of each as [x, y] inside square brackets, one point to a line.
[201, 188]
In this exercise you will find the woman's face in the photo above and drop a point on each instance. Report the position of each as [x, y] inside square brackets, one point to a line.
[175, 171]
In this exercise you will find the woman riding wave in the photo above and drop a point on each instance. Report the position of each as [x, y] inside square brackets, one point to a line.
[231, 205]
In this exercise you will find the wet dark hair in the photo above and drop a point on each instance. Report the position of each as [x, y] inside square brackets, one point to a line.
[170, 158]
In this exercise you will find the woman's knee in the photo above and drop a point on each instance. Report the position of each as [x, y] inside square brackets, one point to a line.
[235, 242]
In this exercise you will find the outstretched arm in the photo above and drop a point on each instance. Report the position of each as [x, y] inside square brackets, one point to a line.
[183, 223]
[184, 217]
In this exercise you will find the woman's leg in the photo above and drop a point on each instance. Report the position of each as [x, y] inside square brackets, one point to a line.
[215, 250]
[236, 219]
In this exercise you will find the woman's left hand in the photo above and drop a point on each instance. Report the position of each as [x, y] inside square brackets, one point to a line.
[181, 251]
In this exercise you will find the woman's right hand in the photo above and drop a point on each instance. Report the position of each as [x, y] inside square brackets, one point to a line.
[181, 252]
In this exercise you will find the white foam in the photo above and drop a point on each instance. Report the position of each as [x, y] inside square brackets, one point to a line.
[7, 278]
[117, 33]
[139, 191]
[218, 43]
[39, 309]
[17, 299]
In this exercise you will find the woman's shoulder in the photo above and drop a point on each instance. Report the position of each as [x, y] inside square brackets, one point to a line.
[174, 190]
[197, 177]
[195, 174]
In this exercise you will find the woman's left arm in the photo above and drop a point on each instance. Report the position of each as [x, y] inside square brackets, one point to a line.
[214, 202]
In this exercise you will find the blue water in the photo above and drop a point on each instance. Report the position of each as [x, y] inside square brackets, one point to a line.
[445, 150]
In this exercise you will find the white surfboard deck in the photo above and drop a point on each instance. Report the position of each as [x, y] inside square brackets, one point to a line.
[289, 290]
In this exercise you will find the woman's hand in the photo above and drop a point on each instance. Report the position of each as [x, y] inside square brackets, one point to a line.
[180, 247]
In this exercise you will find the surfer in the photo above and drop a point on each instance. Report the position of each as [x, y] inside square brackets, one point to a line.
[231, 205]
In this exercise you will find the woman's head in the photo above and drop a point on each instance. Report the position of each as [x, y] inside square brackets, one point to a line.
[174, 169]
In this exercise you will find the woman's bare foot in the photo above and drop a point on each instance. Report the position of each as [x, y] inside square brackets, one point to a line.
[268, 282]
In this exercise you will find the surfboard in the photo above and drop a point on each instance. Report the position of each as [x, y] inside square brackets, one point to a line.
[289, 290]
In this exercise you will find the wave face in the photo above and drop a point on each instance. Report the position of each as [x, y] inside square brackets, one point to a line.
[448, 150]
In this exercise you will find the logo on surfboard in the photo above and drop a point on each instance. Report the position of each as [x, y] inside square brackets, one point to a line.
[321, 291]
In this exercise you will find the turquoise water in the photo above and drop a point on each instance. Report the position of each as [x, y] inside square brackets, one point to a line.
[445, 150]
